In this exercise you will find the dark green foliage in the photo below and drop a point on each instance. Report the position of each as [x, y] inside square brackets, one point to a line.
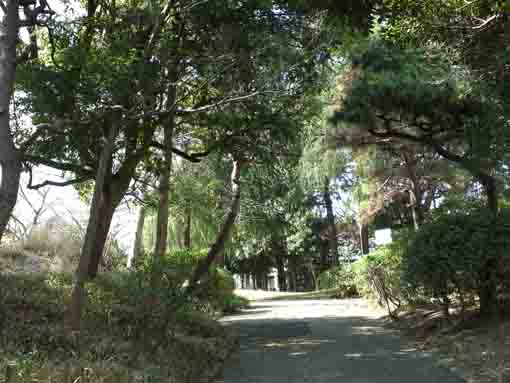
[127, 328]
[342, 279]
[163, 279]
[462, 253]
[379, 274]
[413, 82]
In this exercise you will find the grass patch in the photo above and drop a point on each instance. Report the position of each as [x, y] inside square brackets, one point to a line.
[128, 330]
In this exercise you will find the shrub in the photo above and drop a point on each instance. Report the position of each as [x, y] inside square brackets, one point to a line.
[217, 289]
[461, 253]
[379, 274]
[232, 304]
[341, 278]
[122, 332]
[214, 294]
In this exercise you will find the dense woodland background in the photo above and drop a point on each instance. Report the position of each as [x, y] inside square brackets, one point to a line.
[248, 135]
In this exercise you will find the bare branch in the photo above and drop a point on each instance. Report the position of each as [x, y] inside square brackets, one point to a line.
[219, 103]
[192, 157]
[23, 227]
[486, 23]
[55, 183]
[65, 166]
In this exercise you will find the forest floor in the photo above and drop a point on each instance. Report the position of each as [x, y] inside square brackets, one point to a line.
[324, 340]
[477, 349]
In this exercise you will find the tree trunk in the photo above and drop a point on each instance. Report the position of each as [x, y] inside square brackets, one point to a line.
[332, 232]
[364, 239]
[415, 194]
[101, 213]
[324, 252]
[138, 245]
[282, 277]
[163, 206]
[225, 230]
[187, 228]
[315, 286]
[164, 179]
[488, 295]
[415, 209]
[10, 165]
[292, 275]
[491, 191]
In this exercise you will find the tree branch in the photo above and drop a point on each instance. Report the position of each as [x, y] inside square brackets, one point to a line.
[64, 183]
[192, 157]
[219, 103]
[56, 127]
[65, 166]
[486, 23]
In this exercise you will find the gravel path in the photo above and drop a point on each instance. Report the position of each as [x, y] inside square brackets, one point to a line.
[323, 341]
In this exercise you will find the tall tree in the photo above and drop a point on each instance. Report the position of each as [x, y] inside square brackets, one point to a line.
[36, 13]
[396, 95]
[332, 232]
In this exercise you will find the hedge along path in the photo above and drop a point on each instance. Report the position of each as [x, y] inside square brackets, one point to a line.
[322, 341]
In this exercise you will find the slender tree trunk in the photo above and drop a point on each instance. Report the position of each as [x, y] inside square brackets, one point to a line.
[99, 222]
[164, 180]
[364, 239]
[415, 194]
[415, 210]
[187, 228]
[491, 191]
[10, 165]
[488, 288]
[164, 206]
[488, 291]
[314, 277]
[138, 245]
[292, 275]
[179, 232]
[332, 232]
[324, 253]
[225, 230]
[282, 277]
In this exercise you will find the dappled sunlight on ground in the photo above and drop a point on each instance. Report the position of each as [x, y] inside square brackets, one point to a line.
[324, 341]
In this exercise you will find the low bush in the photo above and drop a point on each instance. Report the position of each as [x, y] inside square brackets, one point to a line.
[215, 294]
[341, 278]
[128, 328]
[463, 254]
[378, 277]
[379, 274]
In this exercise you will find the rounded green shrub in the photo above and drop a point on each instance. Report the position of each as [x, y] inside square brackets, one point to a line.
[340, 278]
[461, 253]
[378, 276]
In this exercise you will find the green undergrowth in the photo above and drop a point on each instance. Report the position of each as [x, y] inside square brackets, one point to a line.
[130, 330]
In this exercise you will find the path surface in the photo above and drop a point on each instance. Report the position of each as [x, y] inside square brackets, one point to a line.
[322, 341]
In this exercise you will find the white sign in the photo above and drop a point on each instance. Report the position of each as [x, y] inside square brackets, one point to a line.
[383, 237]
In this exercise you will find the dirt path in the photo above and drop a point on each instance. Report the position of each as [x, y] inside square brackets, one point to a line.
[323, 341]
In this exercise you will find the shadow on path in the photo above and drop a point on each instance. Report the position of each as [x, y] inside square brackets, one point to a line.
[323, 341]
